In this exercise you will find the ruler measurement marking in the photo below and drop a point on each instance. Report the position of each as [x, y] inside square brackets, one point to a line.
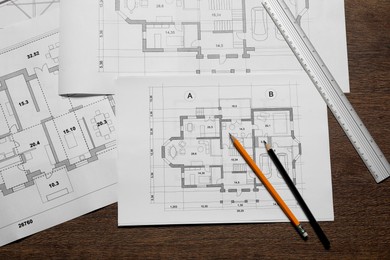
[326, 79]
[347, 109]
[329, 89]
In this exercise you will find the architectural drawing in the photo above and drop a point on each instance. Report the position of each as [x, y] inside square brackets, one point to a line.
[185, 170]
[57, 154]
[188, 37]
[42, 138]
[205, 36]
[12, 11]
[192, 155]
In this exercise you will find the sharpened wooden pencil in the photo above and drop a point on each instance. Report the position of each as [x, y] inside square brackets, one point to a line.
[269, 187]
[313, 222]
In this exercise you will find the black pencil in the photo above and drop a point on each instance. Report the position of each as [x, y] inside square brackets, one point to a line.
[313, 222]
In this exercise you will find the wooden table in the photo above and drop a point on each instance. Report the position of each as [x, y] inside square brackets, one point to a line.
[362, 207]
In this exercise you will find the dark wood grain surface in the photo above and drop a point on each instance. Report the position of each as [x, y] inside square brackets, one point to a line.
[362, 207]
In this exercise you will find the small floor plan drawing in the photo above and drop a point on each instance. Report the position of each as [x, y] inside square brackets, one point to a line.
[43, 136]
[194, 165]
[12, 11]
[192, 37]
[185, 169]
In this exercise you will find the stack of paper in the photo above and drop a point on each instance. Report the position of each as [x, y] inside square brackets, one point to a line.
[191, 72]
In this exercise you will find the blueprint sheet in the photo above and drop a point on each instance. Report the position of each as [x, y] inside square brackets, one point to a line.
[14, 11]
[177, 164]
[106, 38]
[57, 155]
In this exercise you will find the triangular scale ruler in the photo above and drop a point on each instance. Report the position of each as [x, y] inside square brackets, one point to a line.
[328, 88]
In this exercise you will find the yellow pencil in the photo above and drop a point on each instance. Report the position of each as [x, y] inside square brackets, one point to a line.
[269, 187]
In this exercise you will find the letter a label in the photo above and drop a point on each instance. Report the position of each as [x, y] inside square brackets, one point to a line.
[189, 96]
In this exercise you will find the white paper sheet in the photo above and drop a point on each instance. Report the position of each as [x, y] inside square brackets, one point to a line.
[15, 11]
[57, 155]
[104, 39]
[177, 164]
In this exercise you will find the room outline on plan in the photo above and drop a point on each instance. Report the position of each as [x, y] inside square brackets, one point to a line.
[44, 137]
[194, 165]
[192, 37]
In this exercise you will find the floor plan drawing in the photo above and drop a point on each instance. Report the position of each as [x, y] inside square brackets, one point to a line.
[205, 36]
[57, 153]
[12, 11]
[35, 129]
[195, 152]
[185, 168]
[188, 37]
